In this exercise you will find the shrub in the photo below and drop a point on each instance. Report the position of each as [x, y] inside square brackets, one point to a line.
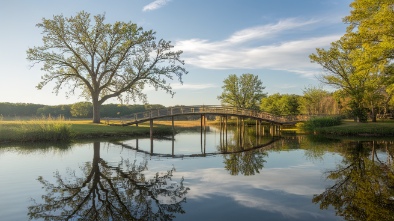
[318, 122]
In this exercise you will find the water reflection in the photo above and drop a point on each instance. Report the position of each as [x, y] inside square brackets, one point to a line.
[105, 192]
[245, 163]
[246, 152]
[364, 182]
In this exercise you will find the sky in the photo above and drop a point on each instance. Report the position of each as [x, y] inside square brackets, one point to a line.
[270, 39]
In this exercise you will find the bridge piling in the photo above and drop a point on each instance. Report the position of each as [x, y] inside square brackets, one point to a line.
[173, 127]
[151, 135]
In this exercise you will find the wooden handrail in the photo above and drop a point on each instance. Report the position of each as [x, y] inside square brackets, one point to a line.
[213, 109]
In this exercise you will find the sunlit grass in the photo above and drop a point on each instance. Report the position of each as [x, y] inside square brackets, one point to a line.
[45, 129]
[60, 129]
[361, 129]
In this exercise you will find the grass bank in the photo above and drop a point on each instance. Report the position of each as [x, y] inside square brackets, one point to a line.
[340, 127]
[383, 128]
[40, 130]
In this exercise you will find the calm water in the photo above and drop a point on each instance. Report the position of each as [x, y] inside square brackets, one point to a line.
[289, 178]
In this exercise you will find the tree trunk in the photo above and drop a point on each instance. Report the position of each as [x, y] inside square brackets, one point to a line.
[96, 111]
[373, 113]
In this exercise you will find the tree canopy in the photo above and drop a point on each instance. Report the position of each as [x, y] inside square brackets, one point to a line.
[281, 104]
[342, 74]
[371, 28]
[359, 63]
[104, 60]
[245, 91]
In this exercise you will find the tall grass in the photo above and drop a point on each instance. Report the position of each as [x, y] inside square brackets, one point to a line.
[318, 122]
[47, 129]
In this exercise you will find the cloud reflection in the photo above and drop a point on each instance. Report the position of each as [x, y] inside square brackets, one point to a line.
[261, 191]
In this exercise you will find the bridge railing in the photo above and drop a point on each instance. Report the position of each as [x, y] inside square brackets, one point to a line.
[206, 109]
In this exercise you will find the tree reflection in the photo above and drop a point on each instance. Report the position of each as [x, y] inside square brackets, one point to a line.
[105, 192]
[242, 156]
[247, 163]
[364, 184]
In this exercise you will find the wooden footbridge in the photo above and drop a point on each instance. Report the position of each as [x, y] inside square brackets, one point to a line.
[213, 110]
[223, 111]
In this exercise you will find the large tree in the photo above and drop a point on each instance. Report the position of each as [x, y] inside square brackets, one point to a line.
[342, 74]
[371, 28]
[104, 60]
[316, 101]
[244, 91]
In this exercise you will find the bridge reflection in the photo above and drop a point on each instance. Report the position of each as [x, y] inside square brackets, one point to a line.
[228, 140]
[223, 112]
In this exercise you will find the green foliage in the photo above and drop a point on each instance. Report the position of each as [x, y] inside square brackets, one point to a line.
[363, 87]
[281, 104]
[317, 122]
[54, 111]
[19, 109]
[82, 109]
[245, 91]
[316, 100]
[359, 63]
[371, 28]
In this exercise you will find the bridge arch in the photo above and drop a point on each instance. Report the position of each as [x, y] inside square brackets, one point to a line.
[212, 110]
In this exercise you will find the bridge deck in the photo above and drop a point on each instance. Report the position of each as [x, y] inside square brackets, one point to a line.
[214, 110]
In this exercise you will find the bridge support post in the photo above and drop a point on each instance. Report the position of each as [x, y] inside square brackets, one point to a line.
[203, 130]
[173, 127]
[173, 135]
[221, 131]
[225, 125]
[259, 131]
[151, 135]
[173, 145]
[257, 128]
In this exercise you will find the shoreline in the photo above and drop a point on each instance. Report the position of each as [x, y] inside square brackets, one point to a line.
[72, 131]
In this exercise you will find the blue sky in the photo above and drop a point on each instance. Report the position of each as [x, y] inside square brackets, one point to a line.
[271, 39]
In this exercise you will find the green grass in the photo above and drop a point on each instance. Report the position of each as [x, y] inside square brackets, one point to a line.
[316, 123]
[360, 129]
[101, 130]
[38, 130]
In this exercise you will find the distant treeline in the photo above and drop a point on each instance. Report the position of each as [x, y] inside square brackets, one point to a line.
[80, 109]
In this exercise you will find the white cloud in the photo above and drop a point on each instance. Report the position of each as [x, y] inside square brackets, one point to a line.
[258, 48]
[155, 5]
[192, 86]
[259, 32]
[178, 86]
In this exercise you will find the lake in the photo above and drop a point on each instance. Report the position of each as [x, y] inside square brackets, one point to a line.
[215, 175]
